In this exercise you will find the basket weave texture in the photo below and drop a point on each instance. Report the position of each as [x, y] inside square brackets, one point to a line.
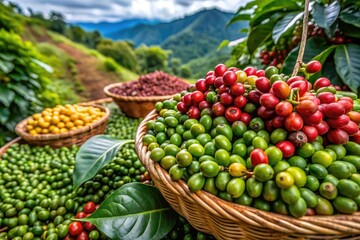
[66, 139]
[227, 220]
[135, 107]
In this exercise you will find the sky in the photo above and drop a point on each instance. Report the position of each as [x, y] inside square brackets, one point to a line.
[114, 10]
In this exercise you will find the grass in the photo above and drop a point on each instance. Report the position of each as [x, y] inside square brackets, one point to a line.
[105, 64]
[64, 81]
[109, 65]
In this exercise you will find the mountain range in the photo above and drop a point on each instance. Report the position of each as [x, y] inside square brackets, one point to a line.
[107, 28]
[191, 37]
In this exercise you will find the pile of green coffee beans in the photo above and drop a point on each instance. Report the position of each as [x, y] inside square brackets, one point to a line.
[36, 197]
[119, 125]
[183, 230]
[124, 168]
[37, 200]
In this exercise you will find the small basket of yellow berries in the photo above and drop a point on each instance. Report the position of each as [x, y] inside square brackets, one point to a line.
[64, 125]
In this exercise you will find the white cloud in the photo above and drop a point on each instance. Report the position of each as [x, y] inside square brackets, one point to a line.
[113, 10]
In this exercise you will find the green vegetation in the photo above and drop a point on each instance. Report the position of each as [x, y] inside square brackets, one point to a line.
[24, 82]
[333, 37]
[9, 19]
[106, 62]
[193, 39]
[41, 73]
[200, 66]
[57, 22]
[64, 72]
[121, 52]
[152, 58]
[31, 214]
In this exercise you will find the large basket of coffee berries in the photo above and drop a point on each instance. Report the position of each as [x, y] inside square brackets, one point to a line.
[137, 98]
[244, 157]
[64, 125]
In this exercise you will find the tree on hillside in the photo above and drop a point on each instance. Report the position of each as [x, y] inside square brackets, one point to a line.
[36, 15]
[24, 82]
[92, 39]
[175, 65]
[16, 8]
[332, 38]
[185, 71]
[76, 34]
[57, 22]
[131, 44]
[120, 51]
[7, 19]
[152, 58]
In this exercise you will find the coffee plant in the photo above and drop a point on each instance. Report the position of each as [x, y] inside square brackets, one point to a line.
[274, 35]
[23, 82]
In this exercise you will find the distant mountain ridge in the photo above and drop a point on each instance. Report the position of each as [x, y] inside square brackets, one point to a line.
[212, 20]
[107, 28]
[188, 38]
[192, 37]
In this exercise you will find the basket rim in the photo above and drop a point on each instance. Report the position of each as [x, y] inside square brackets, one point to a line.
[20, 127]
[131, 98]
[317, 224]
[8, 144]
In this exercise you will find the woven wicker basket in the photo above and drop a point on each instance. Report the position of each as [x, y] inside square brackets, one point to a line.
[135, 107]
[226, 220]
[66, 139]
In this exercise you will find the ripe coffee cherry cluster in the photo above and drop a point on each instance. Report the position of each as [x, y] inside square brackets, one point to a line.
[227, 100]
[83, 230]
[275, 56]
[261, 139]
[314, 113]
[316, 31]
[293, 104]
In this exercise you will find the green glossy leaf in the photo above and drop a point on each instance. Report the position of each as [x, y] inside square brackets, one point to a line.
[7, 56]
[347, 62]
[251, 4]
[314, 46]
[351, 15]
[135, 211]
[93, 155]
[258, 35]
[324, 54]
[322, 57]
[267, 10]
[22, 103]
[240, 17]
[6, 67]
[223, 44]
[20, 89]
[34, 83]
[285, 25]
[325, 16]
[46, 67]
[18, 77]
[6, 95]
[10, 124]
[328, 72]
[25, 92]
[4, 115]
[244, 30]
[349, 30]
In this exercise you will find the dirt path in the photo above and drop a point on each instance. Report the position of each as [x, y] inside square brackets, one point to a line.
[91, 78]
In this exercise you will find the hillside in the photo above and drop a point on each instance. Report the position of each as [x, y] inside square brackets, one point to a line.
[191, 37]
[83, 70]
[154, 34]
